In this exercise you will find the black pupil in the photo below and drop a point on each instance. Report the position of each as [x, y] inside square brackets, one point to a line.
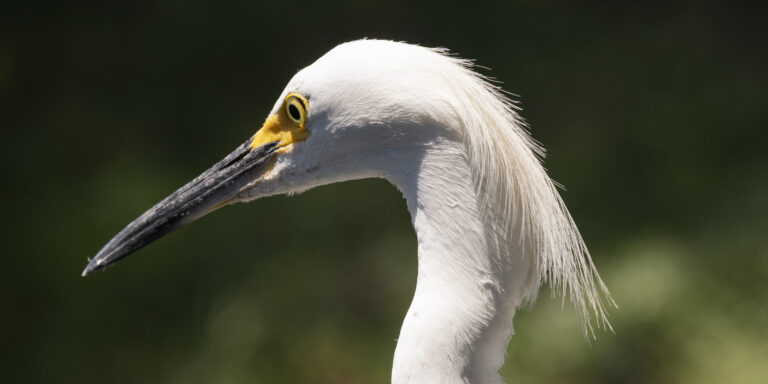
[294, 112]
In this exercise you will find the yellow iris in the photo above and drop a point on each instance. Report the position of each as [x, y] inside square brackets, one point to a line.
[287, 125]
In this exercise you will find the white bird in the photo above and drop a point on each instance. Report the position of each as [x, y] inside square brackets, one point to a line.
[490, 223]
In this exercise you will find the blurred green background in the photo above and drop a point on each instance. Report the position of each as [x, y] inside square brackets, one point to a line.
[654, 117]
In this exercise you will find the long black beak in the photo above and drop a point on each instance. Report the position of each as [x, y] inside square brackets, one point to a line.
[212, 189]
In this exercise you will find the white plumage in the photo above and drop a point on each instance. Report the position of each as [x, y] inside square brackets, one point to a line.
[491, 226]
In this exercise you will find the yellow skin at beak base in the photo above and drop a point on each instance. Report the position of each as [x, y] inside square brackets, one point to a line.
[279, 128]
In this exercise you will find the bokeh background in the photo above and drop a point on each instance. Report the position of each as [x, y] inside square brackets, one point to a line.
[654, 117]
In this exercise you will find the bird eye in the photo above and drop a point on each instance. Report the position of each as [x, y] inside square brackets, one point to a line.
[296, 108]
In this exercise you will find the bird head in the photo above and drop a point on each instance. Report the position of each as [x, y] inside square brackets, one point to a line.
[356, 112]
[373, 108]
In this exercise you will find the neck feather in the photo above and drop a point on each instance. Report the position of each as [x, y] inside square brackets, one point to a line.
[471, 276]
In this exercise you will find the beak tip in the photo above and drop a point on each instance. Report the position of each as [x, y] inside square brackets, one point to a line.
[94, 265]
[88, 270]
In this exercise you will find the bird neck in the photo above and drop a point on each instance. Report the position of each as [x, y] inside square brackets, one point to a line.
[470, 281]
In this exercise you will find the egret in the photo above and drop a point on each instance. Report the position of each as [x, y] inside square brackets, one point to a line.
[490, 224]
